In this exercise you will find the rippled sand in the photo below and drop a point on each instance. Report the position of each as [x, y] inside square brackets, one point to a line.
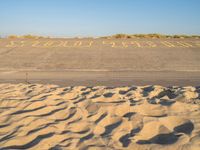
[34, 116]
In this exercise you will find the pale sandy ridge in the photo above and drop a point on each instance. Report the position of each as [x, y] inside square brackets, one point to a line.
[36, 116]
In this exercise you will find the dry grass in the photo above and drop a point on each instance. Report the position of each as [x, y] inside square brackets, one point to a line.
[155, 36]
[13, 37]
[122, 36]
[26, 37]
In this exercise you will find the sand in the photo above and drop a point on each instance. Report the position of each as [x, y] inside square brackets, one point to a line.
[36, 116]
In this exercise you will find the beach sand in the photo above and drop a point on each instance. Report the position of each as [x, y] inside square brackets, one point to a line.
[37, 116]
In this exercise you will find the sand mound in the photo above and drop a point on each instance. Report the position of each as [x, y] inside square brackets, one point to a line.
[152, 110]
[34, 116]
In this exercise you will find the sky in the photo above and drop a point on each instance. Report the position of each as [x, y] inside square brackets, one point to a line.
[84, 18]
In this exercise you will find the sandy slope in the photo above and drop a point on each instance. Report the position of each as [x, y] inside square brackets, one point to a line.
[140, 118]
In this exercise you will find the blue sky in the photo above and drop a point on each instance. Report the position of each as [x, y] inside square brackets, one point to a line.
[98, 17]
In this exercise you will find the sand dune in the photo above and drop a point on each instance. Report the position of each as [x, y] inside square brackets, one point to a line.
[35, 116]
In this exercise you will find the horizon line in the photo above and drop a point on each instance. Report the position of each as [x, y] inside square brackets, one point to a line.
[121, 35]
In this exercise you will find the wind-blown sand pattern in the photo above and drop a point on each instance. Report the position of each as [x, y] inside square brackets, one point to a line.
[35, 116]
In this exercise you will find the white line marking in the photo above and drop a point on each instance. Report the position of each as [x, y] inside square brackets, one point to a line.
[67, 45]
[35, 43]
[14, 44]
[168, 44]
[48, 43]
[137, 43]
[151, 44]
[184, 44]
[109, 43]
[125, 45]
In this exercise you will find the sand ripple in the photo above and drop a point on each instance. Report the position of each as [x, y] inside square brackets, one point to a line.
[34, 116]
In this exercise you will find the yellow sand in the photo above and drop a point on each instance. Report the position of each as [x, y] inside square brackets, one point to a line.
[34, 116]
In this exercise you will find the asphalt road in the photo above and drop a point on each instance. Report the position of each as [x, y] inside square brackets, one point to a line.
[101, 61]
